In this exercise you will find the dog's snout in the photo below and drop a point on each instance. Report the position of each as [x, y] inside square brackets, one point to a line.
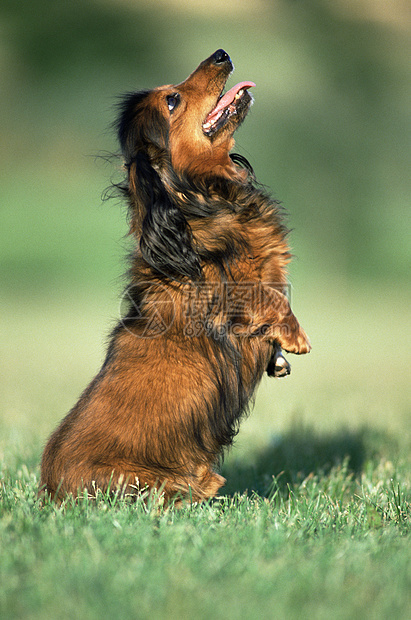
[221, 56]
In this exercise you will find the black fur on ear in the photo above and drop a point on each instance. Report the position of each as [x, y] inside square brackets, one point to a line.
[139, 125]
[165, 235]
[166, 241]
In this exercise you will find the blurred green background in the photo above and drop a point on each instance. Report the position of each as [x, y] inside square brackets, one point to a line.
[329, 133]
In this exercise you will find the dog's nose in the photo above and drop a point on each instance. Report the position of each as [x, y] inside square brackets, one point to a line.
[220, 56]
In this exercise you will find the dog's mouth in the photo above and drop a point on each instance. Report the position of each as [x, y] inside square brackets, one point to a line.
[234, 101]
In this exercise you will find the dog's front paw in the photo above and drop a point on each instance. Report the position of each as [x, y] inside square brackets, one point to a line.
[297, 342]
[278, 366]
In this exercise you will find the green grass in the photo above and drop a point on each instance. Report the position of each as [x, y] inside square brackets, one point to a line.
[316, 514]
[330, 546]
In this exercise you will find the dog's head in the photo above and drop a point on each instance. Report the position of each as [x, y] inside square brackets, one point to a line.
[170, 135]
[189, 124]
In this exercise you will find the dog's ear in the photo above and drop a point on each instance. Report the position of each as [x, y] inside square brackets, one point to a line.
[166, 241]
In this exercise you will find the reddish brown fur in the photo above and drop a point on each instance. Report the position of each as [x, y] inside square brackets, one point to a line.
[169, 397]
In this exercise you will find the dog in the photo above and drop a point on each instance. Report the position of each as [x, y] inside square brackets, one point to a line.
[207, 311]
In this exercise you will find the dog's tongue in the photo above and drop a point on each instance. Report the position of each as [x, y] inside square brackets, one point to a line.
[227, 99]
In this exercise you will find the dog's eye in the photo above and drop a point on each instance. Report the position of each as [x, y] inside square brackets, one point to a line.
[173, 101]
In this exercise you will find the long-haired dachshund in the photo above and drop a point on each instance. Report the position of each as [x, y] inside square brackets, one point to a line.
[207, 314]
